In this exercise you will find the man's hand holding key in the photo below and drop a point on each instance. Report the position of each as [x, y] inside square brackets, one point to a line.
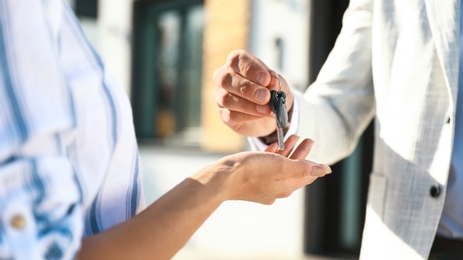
[242, 93]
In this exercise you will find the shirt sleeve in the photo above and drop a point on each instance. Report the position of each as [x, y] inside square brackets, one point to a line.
[40, 198]
[337, 108]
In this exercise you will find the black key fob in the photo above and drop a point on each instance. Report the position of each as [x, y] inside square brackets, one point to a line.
[278, 106]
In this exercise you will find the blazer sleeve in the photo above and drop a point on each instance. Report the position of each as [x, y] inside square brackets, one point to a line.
[336, 109]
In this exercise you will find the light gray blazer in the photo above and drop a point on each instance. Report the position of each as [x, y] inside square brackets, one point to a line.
[395, 61]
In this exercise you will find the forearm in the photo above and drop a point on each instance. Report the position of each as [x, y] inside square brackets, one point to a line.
[165, 226]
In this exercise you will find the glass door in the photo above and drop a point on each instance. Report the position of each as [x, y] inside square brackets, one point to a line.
[167, 70]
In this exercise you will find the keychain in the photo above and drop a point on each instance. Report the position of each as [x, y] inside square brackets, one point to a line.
[278, 106]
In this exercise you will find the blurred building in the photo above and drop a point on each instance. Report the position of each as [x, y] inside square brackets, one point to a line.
[164, 53]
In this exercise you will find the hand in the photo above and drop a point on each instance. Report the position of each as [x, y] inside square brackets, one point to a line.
[242, 94]
[166, 225]
[265, 176]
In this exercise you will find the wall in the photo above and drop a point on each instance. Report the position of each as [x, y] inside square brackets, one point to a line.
[287, 20]
[114, 43]
[224, 31]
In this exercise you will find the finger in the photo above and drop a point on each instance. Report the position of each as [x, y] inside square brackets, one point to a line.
[289, 145]
[249, 67]
[275, 82]
[236, 103]
[292, 184]
[292, 168]
[273, 148]
[230, 117]
[273, 73]
[318, 171]
[303, 149]
[239, 85]
[326, 168]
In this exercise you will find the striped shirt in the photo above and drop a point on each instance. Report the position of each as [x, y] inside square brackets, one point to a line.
[69, 163]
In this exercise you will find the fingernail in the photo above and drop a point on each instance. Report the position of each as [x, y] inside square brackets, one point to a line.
[260, 95]
[318, 171]
[260, 78]
[329, 169]
[262, 109]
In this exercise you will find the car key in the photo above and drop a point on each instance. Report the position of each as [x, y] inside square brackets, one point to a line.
[278, 106]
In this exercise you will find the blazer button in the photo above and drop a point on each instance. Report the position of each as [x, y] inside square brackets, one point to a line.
[435, 191]
[448, 120]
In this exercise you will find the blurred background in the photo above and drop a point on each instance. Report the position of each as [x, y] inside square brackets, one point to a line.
[164, 53]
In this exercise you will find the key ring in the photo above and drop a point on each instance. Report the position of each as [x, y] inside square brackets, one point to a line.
[279, 82]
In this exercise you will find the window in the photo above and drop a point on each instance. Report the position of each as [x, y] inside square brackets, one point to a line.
[167, 69]
[86, 8]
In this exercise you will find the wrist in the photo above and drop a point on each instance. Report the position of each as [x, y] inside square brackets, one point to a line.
[216, 178]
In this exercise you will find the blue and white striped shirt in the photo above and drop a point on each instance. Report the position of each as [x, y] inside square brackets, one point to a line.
[68, 153]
